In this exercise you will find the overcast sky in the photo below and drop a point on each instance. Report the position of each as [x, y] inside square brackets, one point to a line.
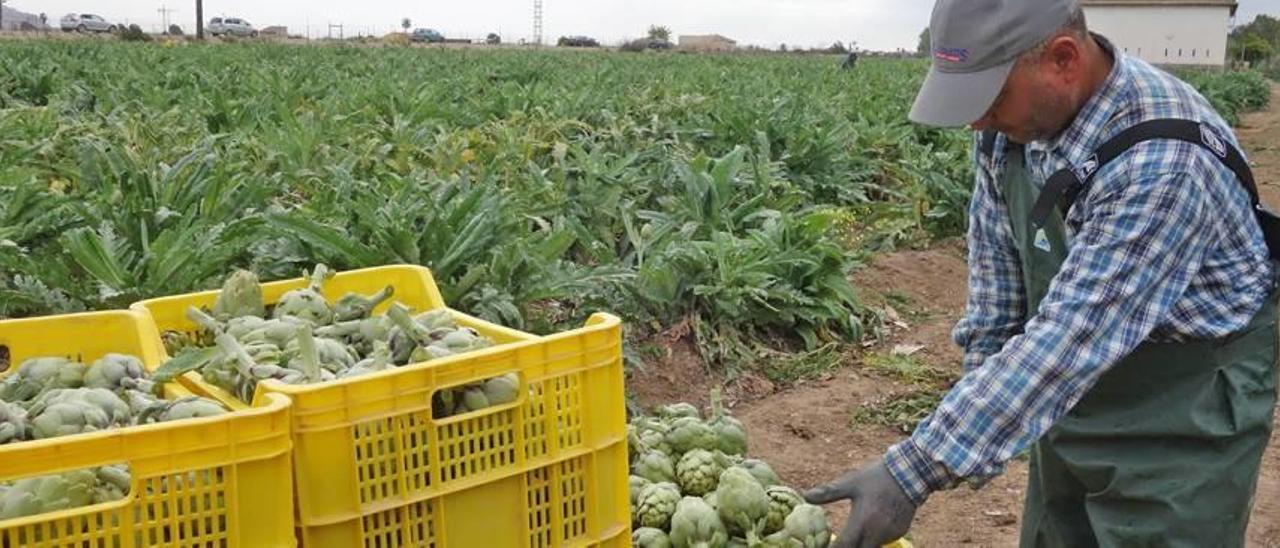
[874, 24]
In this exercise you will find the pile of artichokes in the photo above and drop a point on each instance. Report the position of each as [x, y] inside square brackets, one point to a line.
[305, 339]
[692, 486]
[50, 397]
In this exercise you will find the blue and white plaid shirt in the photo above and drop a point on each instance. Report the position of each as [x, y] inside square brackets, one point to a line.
[1163, 246]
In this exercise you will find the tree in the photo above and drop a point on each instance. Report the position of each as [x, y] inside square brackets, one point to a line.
[837, 47]
[405, 24]
[925, 45]
[1251, 48]
[660, 33]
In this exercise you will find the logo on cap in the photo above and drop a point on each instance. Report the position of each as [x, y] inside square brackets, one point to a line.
[952, 55]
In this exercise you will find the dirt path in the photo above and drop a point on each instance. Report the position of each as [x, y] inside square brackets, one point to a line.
[808, 431]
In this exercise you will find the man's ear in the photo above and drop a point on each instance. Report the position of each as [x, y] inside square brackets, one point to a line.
[1064, 58]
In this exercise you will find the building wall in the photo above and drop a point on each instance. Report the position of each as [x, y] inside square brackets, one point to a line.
[706, 43]
[1167, 35]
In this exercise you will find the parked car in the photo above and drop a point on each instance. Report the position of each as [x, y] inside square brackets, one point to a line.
[429, 36]
[86, 22]
[578, 42]
[493, 39]
[233, 26]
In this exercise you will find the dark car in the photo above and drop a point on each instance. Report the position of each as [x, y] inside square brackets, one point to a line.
[430, 36]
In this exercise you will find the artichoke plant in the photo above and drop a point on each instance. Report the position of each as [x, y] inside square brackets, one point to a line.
[656, 504]
[698, 472]
[695, 524]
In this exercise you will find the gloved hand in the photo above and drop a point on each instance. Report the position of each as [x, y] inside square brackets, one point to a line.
[881, 512]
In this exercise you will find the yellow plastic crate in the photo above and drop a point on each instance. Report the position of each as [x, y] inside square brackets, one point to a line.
[217, 481]
[375, 469]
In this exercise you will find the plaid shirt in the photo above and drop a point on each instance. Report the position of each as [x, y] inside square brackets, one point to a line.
[1163, 246]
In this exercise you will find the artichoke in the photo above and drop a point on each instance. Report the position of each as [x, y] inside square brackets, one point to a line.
[114, 372]
[712, 500]
[241, 295]
[688, 433]
[730, 432]
[66, 412]
[357, 307]
[308, 303]
[679, 410]
[698, 472]
[13, 422]
[762, 472]
[655, 467]
[696, 525]
[807, 524]
[185, 408]
[502, 389]
[656, 504]
[379, 360]
[112, 483]
[39, 374]
[648, 537]
[39, 495]
[743, 504]
[782, 500]
[636, 485]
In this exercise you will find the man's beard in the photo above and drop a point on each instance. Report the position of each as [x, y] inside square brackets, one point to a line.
[1050, 115]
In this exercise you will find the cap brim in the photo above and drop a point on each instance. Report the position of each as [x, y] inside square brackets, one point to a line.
[953, 99]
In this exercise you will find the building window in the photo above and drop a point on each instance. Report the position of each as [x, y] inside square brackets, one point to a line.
[1179, 52]
[1166, 52]
[1193, 53]
[1126, 50]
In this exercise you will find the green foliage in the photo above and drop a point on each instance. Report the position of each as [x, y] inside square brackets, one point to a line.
[1232, 93]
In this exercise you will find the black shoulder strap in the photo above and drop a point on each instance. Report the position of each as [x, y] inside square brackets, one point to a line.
[988, 145]
[1065, 186]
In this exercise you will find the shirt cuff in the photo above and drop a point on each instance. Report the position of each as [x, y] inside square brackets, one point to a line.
[916, 473]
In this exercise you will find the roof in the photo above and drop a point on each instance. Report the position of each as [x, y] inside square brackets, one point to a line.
[1158, 3]
[706, 37]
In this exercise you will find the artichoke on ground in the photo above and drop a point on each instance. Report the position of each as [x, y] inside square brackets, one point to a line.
[698, 472]
[636, 484]
[675, 411]
[807, 524]
[742, 503]
[241, 295]
[695, 524]
[782, 500]
[762, 472]
[688, 433]
[648, 537]
[729, 431]
[655, 467]
[656, 504]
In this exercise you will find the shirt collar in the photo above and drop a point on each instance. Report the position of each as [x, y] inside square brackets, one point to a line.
[1086, 131]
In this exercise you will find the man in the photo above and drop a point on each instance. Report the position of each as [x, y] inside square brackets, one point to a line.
[1127, 340]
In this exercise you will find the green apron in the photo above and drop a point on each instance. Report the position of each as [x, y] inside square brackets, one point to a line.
[1165, 449]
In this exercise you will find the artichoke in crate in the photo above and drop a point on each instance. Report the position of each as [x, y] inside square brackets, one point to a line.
[308, 303]
[807, 524]
[698, 472]
[190, 407]
[115, 372]
[39, 495]
[742, 503]
[39, 374]
[68, 411]
[13, 422]
[241, 295]
[782, 500]
[353, 306]
[697, 524]
[762, 472]
[379, 360]
[648, 537]
[655, 467]
[690, 433]
[729, 431]
[656, 504]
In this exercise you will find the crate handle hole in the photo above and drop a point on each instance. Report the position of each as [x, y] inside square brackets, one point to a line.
[477, 396]
[4, 358]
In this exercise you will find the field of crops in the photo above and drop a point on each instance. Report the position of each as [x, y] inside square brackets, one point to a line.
[728, 194]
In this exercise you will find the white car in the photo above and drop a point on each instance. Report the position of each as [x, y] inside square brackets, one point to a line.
[86, 22]
[234, 26]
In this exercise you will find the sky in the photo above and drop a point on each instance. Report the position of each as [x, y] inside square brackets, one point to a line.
[884, 25]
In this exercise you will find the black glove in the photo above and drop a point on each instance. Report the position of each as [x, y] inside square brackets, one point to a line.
[881, 512]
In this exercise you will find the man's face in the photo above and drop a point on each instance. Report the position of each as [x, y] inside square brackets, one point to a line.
[1035, 103]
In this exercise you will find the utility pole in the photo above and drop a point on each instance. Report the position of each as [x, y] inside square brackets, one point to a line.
[164, 12]
[2, 14]
[199, 19]
[537, 22]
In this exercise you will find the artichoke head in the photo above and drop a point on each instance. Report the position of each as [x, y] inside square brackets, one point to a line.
[698, 472]
[696, 524]
[656, 504]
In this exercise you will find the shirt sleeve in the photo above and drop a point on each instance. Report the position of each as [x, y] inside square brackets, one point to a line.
[1145, 235]
[995, 308]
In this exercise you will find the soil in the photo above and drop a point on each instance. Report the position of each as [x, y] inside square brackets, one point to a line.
[806, 432]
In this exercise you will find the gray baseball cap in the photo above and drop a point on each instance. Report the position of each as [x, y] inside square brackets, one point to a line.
[974, 45]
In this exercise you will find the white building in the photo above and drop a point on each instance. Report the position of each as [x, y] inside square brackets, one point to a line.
[1165, 32]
